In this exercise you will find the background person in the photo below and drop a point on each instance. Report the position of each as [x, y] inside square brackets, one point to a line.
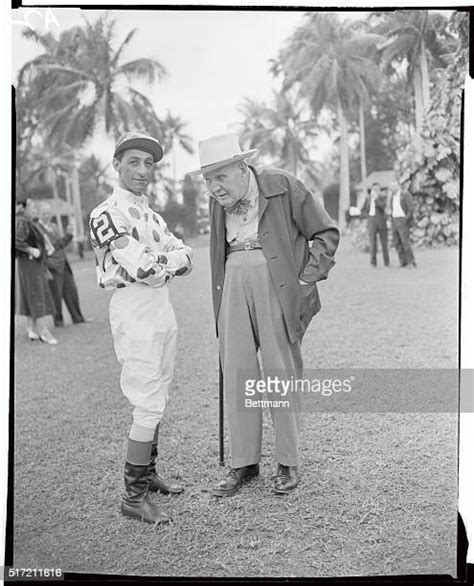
[401, 208]
[63, 285]
[34, 300]
[374, 208]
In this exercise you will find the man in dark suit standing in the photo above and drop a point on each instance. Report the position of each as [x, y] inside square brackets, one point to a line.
[401, 208]
[374, 209]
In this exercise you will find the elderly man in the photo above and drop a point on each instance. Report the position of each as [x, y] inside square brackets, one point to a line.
[264, 274]
[401, 208]
[137, 257]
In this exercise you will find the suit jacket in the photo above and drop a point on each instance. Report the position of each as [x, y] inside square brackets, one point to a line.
[27, 234]
[289, 217]
[57, 262]
[380, 205]
[407, 204]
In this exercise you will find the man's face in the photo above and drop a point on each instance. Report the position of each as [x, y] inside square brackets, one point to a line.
[45, 214]
[32, 208]
[228, 184]
[135, 170]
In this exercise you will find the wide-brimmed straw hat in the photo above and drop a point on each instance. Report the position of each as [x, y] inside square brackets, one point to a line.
[219, 151]
[141, 140]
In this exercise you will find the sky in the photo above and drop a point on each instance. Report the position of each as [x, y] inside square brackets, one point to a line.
[214, 60]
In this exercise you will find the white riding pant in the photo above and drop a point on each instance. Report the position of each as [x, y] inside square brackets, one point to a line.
[144, 330]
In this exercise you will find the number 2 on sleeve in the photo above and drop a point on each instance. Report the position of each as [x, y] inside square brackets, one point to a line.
[104, 229]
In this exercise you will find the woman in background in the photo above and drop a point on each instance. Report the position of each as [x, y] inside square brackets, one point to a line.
[31, 250]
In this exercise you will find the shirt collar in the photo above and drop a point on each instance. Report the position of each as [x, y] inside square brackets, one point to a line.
[252, 190]
[124, 195]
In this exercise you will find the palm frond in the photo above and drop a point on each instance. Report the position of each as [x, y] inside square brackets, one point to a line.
[47, 40]
[63, 69]
[145, 113]
[149, 69]
[123, 45]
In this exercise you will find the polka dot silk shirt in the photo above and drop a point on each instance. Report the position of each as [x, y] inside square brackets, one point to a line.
[132, 243]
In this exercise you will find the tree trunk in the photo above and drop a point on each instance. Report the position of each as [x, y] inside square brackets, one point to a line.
[54, 186]
[76, 197]
[173, 150]
[363, 163]
[418, 107]
[344, 187]
[425, 78]
[68, 191]
[70, 197]
[294, 162]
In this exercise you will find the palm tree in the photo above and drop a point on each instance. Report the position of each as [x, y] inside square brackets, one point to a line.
[93, 183]
[173, 131]
[372, 79]
[254, 129]
[413, 36]
[281, 130]
[327, 59]
[173, 136]
[81, 80]
[386, 121]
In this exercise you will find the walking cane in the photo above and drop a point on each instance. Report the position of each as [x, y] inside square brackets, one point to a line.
[221, 415]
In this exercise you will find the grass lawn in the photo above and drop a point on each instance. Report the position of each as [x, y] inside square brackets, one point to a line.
[378, 490]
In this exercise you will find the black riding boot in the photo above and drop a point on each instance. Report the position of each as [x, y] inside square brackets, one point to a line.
[136, 502]
[157, 484]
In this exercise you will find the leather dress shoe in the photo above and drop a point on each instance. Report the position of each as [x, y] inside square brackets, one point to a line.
[232, 483]
[286, 479]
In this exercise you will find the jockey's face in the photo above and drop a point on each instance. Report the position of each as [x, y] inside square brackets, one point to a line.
[135, 170]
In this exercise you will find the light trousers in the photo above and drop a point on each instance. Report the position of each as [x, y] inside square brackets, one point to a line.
[144, 330]
[250, 318]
